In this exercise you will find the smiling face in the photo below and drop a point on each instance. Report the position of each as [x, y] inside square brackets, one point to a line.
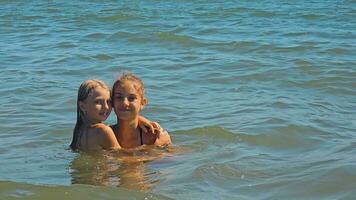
[97, 106]
[127, 100]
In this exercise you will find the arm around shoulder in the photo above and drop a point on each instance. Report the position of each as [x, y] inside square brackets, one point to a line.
[163, 139]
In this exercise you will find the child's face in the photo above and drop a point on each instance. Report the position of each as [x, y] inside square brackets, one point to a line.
[127, 100]
[97, 106]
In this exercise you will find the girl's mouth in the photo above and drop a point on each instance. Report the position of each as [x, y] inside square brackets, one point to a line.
[105, 114]
[124, 109]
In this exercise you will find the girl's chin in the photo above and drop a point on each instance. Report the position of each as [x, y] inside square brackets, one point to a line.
[102, 118]
[124, 117]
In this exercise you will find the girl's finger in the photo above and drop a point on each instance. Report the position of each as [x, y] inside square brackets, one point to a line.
[143, 128]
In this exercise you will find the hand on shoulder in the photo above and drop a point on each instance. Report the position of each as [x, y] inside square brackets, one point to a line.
[163, 138]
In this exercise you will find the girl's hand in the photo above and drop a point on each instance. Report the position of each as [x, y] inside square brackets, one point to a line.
[148, 126]
[163, 138]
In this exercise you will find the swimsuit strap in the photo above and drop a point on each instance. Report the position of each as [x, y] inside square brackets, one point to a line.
[141, 136]
[113, 127]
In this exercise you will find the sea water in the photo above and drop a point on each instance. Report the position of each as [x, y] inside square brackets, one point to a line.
[259, 98]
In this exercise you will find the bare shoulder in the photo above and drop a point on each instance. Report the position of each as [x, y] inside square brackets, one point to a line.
[104, 130]
[100, 126]
[101, 129]
[105, 136]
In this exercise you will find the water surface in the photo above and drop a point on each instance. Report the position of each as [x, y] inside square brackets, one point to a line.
[259, 98]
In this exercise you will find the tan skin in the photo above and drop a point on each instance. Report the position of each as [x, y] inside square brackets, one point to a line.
[96, 108]
[127, 105]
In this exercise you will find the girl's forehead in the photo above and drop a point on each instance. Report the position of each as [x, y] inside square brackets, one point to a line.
[127, 85]
[99, 91]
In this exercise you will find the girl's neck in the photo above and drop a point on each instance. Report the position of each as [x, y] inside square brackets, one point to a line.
[128, 133]
[127, 128]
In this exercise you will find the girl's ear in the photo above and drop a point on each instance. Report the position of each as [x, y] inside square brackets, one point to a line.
[144, 103]
[82, 106]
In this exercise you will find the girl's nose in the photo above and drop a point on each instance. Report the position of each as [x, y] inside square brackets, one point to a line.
[125, 102]
[107, 105]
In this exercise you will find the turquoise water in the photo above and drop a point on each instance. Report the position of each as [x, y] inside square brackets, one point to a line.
[259, 98]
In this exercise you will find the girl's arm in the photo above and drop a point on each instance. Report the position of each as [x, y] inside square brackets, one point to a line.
[147, 125]
[163, 138]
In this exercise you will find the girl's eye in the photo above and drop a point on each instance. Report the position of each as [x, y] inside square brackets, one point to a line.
[132, 98]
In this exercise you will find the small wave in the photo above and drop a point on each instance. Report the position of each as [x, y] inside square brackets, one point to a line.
[338, 51]
[312, 16]
[330, 181]
[66, 45]
[103, 57]
[32, 17]
[53, 10]
[294, 34]
[181, 39]
[95, 35]
[252, 11]
[233, 46]
[122, 34]
[263, 13]
[212, 133]
[285, 49]
[119, 17]
[290, 137]
[16, 190]
[217, 171]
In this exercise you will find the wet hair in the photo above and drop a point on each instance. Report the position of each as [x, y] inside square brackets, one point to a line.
[128, 76]
[83, 92]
